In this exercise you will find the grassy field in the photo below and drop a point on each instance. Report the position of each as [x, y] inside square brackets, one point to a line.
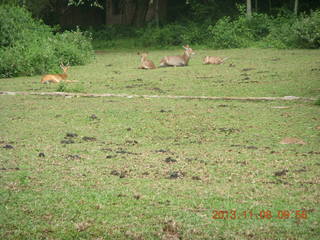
[119, 168]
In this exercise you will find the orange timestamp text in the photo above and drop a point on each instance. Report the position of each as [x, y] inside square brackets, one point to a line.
[263, 214]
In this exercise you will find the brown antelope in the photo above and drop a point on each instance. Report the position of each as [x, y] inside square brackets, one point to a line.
[213, 60]
[56, 78]
[146, 63]
[178, 60]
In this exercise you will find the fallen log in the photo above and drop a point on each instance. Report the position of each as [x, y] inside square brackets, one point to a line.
[66, 94]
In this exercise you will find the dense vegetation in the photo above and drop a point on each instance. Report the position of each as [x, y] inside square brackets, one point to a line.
[29, 47]
[285, 30]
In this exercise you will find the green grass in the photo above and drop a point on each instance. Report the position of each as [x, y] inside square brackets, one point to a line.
[157, 168]
[269, 73]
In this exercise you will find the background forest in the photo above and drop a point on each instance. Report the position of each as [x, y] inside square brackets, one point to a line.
[26, 27]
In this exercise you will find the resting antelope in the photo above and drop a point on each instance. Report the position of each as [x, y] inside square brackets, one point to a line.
[146, 63]
[213, 60]
[178, 60]
[56, 78]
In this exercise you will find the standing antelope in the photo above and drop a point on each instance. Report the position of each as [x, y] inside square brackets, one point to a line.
[56, 78]
[213, 60]
[178, 60]
[146, 63]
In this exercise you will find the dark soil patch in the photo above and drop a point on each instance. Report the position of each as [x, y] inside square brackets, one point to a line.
[10, 169]
[107, 149]
[281, 173]
[73, 157]
[93, 117]
[8, 146]
[196, 178]
[122, 195]
[229, 131]
[157, 89]
[89, 139]
[278, 181]
[165, 111]
[170, 160]
[137, 196]
[247, 69]
[225, 105]
[121, 174]
[244, 146]
[67, 141]
[131, 142]
[71, 135]
[175, 175]
[312, 152]
[121, 151]
[163, 151]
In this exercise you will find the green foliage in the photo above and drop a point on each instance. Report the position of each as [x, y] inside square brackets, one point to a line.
[29, 47]
[73, 47]
[317, 102]
[174, 35]
[307, 31]
[227, 33]
[171, 34]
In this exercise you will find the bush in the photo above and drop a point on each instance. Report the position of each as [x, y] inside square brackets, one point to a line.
[307, 31]
[29, 47]
[280, 32]
[231, 34]
[169, 35]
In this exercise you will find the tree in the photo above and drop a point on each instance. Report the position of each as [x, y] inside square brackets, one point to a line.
[141, 9]
[296, 2]
[249, 9]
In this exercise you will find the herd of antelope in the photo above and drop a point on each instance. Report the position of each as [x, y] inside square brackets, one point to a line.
[167, 61]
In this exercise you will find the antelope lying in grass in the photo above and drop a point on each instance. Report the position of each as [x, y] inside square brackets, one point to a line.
[213, 60]
[56, 78]
[146, 63]
[178, 60]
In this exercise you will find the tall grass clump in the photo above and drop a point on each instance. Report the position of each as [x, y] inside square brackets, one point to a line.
[29, 47]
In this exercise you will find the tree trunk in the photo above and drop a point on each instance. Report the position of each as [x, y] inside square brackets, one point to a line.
[296, 2]
[156, 16]
[140, 13]
[269, 6]
[249, 9]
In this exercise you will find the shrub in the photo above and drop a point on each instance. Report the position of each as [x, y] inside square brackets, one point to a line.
[280, 31]
[29, 47]
[170, 34]
[73, 47]
[227, 33]
[307, 31]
